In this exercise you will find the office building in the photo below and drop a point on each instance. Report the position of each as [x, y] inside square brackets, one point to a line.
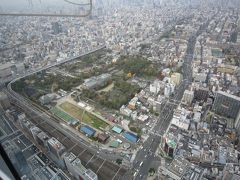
[169, 89]
[155, 87]
[42, 139]
[4, 101]
[188, 97]
[76, 169]
[68, 158]
[56, 27]
[35, 131]
[226, 105]
[178, 168]
[17, 158]
[169, 144]
[176, 78]
[237, 121]
[55, 147]
[6, 70]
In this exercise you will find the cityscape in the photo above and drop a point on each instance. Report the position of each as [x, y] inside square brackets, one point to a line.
[120, 89]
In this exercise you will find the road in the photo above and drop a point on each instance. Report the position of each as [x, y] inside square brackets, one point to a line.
[146, 154]
[25, 74]
[40, 115]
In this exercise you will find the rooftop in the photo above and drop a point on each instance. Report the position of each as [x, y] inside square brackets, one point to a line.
[78, 165]
[87, 130]
[131, 137]
[179, 166]
[55, 144]
[69, 156]
[117, 129]
[90, 174]
[43, 136]
[114, 144]
[229, 95]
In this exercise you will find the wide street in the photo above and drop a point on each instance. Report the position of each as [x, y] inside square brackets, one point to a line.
[146, 155]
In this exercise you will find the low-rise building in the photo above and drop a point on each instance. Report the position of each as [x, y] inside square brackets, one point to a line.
[97, 81]
[125, 111]
[132, 103]
[131, 137]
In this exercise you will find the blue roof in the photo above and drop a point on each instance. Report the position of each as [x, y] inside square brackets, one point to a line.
[117, 129]
[131, 137]
[87, 130]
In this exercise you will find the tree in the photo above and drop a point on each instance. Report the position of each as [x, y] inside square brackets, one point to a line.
[19, 85]
[152, 171]
[119, 161]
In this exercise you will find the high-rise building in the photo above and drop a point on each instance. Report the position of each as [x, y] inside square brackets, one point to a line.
[68, 159]
[187, 97]
[17, 158]
[76, 169]
[4, 101]
[56, 27]
[169, 144]
[237, 121]
[42, 139]
[35, 131]
[169, 89]
[176, 78]
[226, 105]
[55, 147]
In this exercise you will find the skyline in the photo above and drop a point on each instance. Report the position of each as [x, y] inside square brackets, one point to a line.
[135, 90]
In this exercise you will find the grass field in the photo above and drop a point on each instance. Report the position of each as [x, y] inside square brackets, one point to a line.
[84, 116]
[62, 115]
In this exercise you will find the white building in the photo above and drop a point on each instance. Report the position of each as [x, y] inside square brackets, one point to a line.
[197, 116]
[168, 90]
[180, 118]
[187, 97]
[125, 111]
[134, 115]
[155, 87]
[200, 77]
[143, 118]
[176, 78]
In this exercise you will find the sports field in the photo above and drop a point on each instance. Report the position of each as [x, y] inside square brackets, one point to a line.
[59, 113]
[83, 115]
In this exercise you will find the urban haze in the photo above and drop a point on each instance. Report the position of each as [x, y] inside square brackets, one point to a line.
[120, 89]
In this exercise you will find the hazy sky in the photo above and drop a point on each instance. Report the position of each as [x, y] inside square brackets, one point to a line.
[25, 3]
